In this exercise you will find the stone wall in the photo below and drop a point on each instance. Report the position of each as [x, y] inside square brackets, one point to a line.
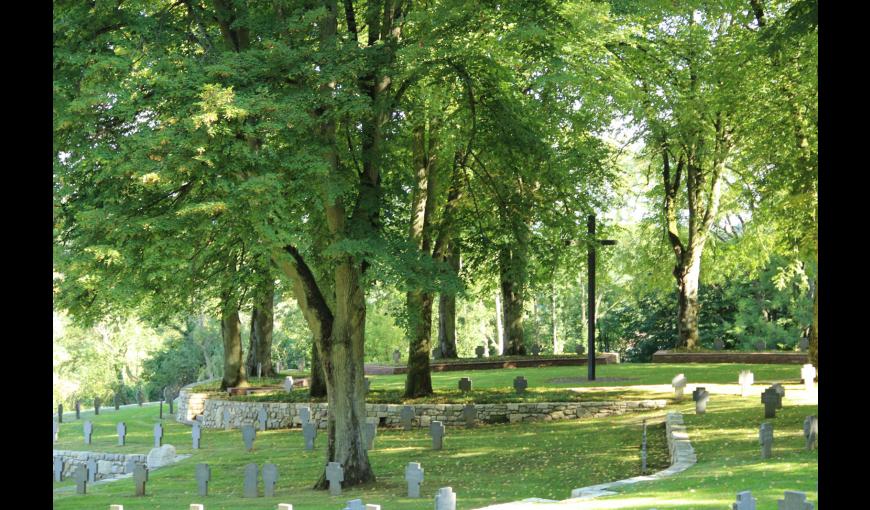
[286, 415]
[786, 358]
[108, 464]
[190, 404]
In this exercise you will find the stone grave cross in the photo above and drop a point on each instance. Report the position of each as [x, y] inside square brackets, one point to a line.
[700, 396]
[248, 435]
[520, 384]
[88, 430]
[158, 435]
[745, 501]
[772, 401]
[251, 474]
[58, 469]
[309, 432]
[81, 478]
[261, 418]
[465, 385]
[304, 414]
[794, 500]
[436, 430]
[121, 427]
[270, 478]
[479, 350]
[370, 430]
[140, 476]
[196, 434]
[745, 379]
[288, 384]
[469, 413]
[92, 470]
[414, 477]
[765, 437]
[445, 499]
[203, 476]
[678, 382]
[811, 432]
[226, 417]
[335, 475]
[808, 374]
[407, 417]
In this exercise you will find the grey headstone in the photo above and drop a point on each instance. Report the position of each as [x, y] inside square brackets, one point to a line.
[288, 384]
[140, 477]
[700, 396]
[765, 438]
[794, 500]
[80, 475]
[304, 414]
[469, 413]
[121, 428]
[129, 466]
[54, 430]
[309, 433]
[536, 350]
[335, 475]
[407, 417]
[355, 504]
[479, 350]
[745, 380]
[745, 501]
[78, 410]
[414, 477]
[397, 357]
[368, 384]
[60, 413]
[759, 345]
[58, 469]
[370, 430]
[196, 434]
[226, 417]
[249, 433]
[436, 430]
[270, 478]
[580, 349]
[203, 476]
[679, 383]
[808, 374]
[158, 435]
[718, 344]
[811, 432]
[465, 384]
[804, 344]
[92, 470]
[88, 430]
[445, 499]
[779, 389]
[279, 366]
[262, 418]
[520, 384]
[772, 401]
[251, 474]
[97, 406]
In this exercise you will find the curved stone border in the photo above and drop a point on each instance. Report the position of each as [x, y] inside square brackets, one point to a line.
[108, 464]
[682, 457]
[191, 404]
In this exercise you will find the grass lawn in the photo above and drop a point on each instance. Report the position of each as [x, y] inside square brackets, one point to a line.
[494, 463]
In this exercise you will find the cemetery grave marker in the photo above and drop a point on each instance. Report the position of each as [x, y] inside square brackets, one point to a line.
[436, 430]
[196, 434]
[520, 384]
[203, 476]
[536, 350]
[278, 368]
[772, 401]
[78, 410]
[335, 475]
[745, 501]
[811, 432]
[88, 430]
[368, 384]
[140, 476]
[288, 384]
[794, 500]
[58, 469]
[700, 396]
[479, 350]
[121, 428]
[370, 430]
[305, 414]
[465, 385]
[285, 506]
[270, 478]
[580, 349]
[158, 435]
[414, 477]
[96, 406]
[355, 504]
[248, 435]
[445, 499]
[679, 383]
[407, 417]
[251, 474]
[309, 432]
[261, 418]
[81, 477]
[54, 429]
[469, 413]
[759, 345]
[226, 416]
[808, 374]
[745, 380]
[60, 413]
[804, 344]
[397, 357]
[92, 470]
[765, 437]
[300, 364]
[779, 389]
[718, 344]
[197, 506]
[116, 507]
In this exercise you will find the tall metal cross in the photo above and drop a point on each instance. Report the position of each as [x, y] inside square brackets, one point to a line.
[590, 222]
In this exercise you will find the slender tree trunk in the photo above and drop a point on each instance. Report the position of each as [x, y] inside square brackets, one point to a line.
[499, 328]
[231, 331]
[419, 305]
[317, 382]
[262, 323]
[447, 311]
[557, 349]
[689, 308]
[513, 268]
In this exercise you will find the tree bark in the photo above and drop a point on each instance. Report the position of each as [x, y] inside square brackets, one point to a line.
[447, 311]
[317, 382]
[231, 332]
[418, 381]
[814, 329]
[262, 324]
[689, 308]
[512, 265]
[499, 328]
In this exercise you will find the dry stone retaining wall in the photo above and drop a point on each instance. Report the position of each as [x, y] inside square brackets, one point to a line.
[108, 464]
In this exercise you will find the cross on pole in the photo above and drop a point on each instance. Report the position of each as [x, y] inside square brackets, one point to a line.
[590, 265]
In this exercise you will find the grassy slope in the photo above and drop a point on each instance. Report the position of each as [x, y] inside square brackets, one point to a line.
[496, 463]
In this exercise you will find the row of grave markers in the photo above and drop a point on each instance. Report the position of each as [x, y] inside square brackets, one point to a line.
[139, 401]
[792, 500]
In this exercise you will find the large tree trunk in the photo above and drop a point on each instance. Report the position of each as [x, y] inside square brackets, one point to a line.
[814, 329]
[513, 277]
[231, 331]
[317, 381]
[262, 323]
[447, 311]
[418, 382]
[689, 308]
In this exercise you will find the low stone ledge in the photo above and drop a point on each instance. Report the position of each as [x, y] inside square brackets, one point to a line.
[109, 465]
[775, 358]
